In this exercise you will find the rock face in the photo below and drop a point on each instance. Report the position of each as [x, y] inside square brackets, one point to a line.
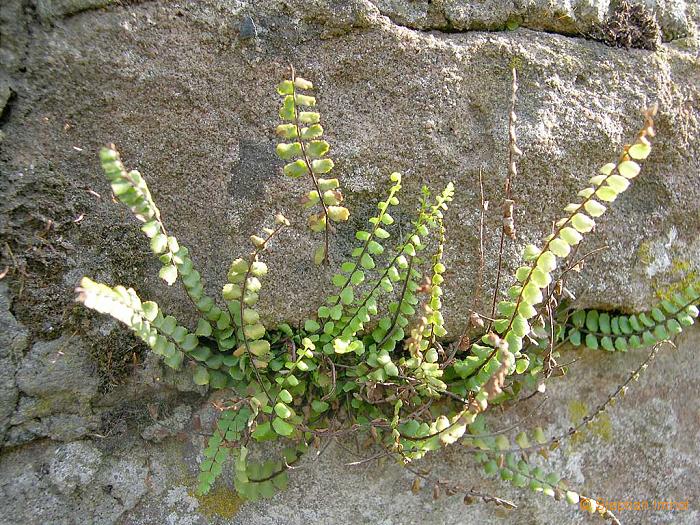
[672, 19]
[57, 383]
[13, 342]
[186, 91]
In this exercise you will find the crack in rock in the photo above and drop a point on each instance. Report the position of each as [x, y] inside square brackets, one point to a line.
[571, 18]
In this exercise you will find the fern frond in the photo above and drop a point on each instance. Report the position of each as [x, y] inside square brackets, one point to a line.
[342, 338]
[228, 432]
[307, 155]
[594, 329]
[242, 294]
[161, 333]
[518, 471]
[255, 480]
[352, 273]
[513, 326]
[435, 319]
[131, 189]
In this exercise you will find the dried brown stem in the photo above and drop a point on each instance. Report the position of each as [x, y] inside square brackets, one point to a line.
[512, 171]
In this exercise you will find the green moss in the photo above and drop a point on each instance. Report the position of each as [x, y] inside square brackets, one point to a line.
[602, 427]
[512, 24]
[222, 502]
[577, 411]
[679, 265]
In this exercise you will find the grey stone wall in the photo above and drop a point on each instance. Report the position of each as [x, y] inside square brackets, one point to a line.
[93, 430]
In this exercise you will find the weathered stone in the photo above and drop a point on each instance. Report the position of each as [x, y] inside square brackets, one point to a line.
[23, 433]
[572, 17]
[5, 95]
[58, 370]
[247, 28]
[58, 427]
[58, 383]
[13, 343]
[13, 336]
[31, 408]
[73, 465]
[15, 36]
[70, 427]
[53, 9]
[70, 484]
[126, 478]
[193, 107]
[169, 426]
[27, 498]
[8, 394]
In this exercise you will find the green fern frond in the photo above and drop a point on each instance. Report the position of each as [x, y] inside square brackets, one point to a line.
[131, 189]
[307, 156]
[264, 479]
[352, 273]
[228, 432]
[241, 295]
[512, 327]
[161, 333]
[594, 329]
[401, 269]
[435, 319]
[517, 470]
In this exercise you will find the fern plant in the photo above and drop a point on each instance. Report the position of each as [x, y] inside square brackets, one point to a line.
[374, 358]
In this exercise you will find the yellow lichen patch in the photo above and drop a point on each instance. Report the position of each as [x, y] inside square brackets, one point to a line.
[221, 501]
[679, 265]
[577, 411]
[644, 253]
[690, 279]
[601, 426]
[516, 63]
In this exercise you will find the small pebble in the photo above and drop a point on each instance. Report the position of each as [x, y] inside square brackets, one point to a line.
[248, 29]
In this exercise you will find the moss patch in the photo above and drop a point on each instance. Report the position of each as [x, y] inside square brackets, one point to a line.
[630, 26]
[222, 502]
[644, 253]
